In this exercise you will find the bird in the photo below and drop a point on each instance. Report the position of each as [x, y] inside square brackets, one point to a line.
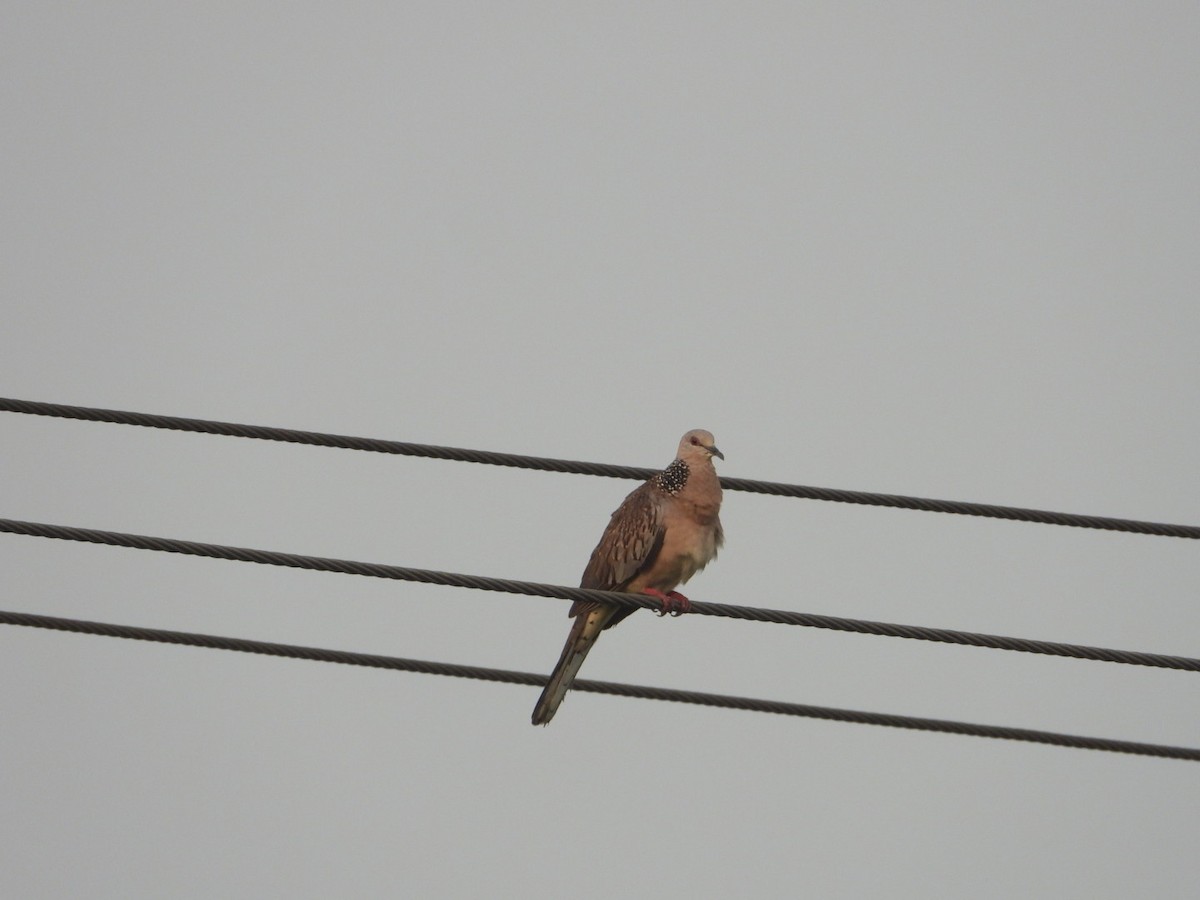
[662, 534]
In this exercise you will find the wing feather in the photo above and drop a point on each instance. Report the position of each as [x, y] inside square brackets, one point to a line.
[630, 544]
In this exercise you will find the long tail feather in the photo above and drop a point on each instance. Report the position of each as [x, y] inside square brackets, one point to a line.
[584, 631]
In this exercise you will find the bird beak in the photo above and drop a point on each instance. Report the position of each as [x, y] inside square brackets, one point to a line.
[713, 451]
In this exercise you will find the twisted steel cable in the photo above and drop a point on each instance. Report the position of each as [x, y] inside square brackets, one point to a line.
[698, 698]
[635, 601]
[778, 489]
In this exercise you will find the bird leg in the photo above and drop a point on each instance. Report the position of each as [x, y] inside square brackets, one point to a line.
[673, 602]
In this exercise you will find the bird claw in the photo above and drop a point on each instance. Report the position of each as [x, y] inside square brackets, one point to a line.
[673, 602]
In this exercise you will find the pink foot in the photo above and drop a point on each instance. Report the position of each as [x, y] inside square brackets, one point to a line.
[673, 602]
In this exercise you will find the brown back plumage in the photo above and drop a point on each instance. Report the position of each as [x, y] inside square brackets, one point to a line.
[630, 544]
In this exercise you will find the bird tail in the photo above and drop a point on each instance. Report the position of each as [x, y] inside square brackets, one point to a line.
[587, 627]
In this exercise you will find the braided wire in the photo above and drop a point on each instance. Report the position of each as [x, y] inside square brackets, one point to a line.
[459, 454]
[698, 698]
[632, 601]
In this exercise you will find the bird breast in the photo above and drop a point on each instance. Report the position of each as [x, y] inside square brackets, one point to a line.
[687, 548]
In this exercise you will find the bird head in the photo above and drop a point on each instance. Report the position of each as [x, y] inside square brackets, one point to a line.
[698, 445]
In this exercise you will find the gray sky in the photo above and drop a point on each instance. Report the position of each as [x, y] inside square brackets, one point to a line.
[937, 249]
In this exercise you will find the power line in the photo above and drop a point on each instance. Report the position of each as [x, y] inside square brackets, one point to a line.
[779, 489]
[633, 601]
[698, 698]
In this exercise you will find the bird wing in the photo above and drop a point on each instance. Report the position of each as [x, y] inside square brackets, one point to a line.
[630, 544]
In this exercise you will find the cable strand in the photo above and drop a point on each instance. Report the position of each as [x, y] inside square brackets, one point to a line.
[698, 698]
[547, 464]
[633, 601]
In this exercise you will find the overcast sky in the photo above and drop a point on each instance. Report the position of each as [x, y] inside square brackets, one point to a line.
[941, 249]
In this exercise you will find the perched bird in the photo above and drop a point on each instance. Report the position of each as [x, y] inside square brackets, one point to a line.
[663, 533]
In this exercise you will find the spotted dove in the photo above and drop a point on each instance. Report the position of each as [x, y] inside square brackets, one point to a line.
[663, 533]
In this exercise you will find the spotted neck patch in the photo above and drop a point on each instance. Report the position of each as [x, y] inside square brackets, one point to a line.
[672, 479]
